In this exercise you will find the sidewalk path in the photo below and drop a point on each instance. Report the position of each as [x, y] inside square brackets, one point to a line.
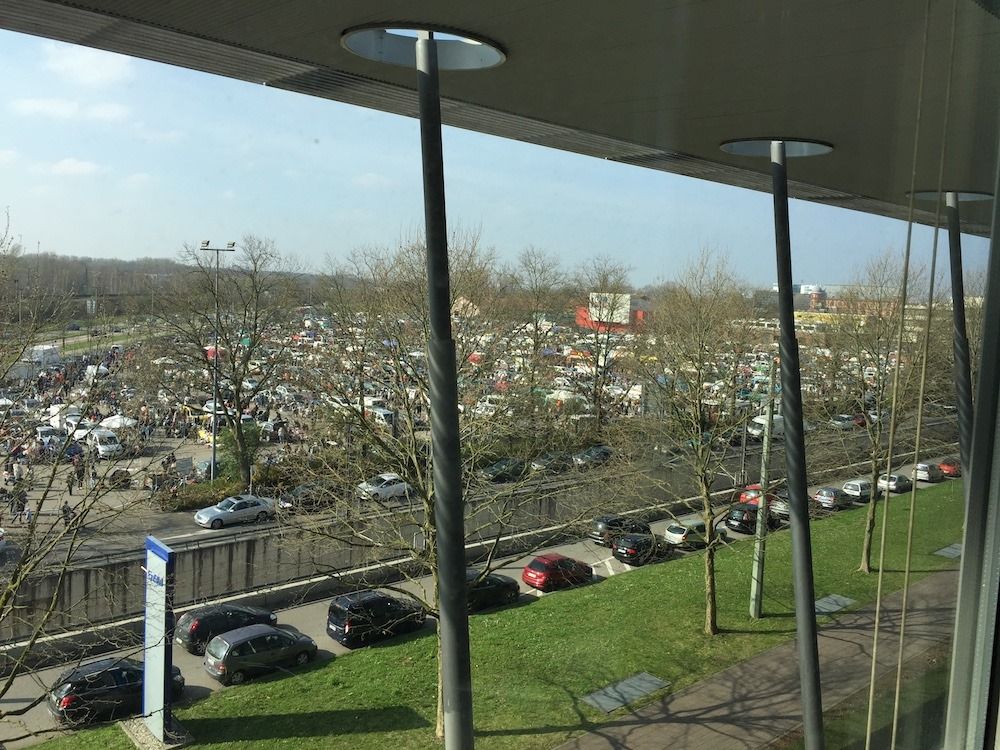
[755, 702]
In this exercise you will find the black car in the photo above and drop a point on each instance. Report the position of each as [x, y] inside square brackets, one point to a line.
[606, 529]
[552, 462]
[639, 549]
[197, 627]
[367, 616]
[107, 688]
[593, 456]
[490, 590]
[742, 517]
[505, 470]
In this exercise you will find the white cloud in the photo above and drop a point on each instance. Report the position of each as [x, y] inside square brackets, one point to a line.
[107, 112]
[372, 181]
[60, 108]
[86, 66]
[67, 109]
[137, 180]
[73, 167]
[7, 155]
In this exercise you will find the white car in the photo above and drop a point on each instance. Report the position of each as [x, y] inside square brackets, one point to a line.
[842, 422]
[83, 428]
[687, 533]
[383, 487]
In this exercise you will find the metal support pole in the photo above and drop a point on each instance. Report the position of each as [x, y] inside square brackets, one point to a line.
[971, 718]
[795, 463]
[456, 669]
[760, 533]
[960, 340]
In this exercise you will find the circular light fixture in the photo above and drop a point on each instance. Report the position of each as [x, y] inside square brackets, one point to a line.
[761, 147]
[396, 44]
[964, 196]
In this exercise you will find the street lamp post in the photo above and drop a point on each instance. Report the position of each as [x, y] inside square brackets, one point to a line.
[230, 247]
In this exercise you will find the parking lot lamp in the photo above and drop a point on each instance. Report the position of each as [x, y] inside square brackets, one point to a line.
[230, 247]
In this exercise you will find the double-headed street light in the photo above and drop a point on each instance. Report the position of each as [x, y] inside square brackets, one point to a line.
[229, 248]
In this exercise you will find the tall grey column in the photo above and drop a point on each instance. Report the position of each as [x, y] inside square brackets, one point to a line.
[972, 712]
[960, 339]
[795, 463]
[449, 511]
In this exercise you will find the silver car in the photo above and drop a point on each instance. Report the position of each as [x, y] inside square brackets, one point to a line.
[235, 509]
[383, 487]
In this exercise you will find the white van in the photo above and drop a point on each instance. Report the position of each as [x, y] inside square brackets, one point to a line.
[756, 427]
[381, 417]
[105, 443]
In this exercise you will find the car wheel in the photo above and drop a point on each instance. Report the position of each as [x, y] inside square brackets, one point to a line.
[302, 659]
[512, 596]
[237, 678]
[198, 648]
[217, 524]
[261, 517]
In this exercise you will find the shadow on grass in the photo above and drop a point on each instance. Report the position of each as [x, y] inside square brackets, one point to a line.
[305, 724]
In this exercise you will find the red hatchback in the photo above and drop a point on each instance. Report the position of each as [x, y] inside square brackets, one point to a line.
[951, 467]
[555, 571]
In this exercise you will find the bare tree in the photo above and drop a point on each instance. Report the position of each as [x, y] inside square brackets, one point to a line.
[374, 377]
[698, 342]
[255, 295]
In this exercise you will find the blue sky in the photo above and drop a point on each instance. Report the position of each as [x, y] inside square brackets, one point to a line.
[109, 156]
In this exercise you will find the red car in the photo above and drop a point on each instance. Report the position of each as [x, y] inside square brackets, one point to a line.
[555, 571]
[750, 495]
[951, 467]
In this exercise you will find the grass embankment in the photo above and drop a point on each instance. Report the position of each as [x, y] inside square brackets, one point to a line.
[533, 664]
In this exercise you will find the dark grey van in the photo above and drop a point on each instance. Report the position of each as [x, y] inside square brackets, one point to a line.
[233, 657]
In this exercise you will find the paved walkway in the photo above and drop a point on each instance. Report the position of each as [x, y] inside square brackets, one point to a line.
[755, 702]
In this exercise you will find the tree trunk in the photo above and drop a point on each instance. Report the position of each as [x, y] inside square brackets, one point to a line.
[439, 722]
[866, 542]
[242, 457]
[711, 610]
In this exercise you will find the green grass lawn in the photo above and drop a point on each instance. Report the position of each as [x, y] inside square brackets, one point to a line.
[532, 664]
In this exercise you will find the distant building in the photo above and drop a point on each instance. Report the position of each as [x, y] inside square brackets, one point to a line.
[612, 312]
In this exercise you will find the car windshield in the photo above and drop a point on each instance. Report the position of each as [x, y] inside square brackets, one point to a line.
[226, 504]
[676, 529]
[216, 648]
[537, 565]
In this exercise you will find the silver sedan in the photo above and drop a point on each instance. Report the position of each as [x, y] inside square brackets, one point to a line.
[235, 509]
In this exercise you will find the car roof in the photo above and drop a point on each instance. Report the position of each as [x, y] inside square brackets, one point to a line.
[232, 637]
[94, 667]
[551, 557]
[359, 597]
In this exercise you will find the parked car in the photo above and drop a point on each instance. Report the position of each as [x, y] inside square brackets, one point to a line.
[951, 467]
[552, 462]
[235, 509]
[742, 517]
[504, 470]
[778, 505]
[366, 616]
[233, 657]
[104, 689]
[842, 422]
[750, 495]
[688, 533]
[593, 456]
[831, 498]
[196, 627]
[925, 472]
[490, 590]
[860, 490]
[638, 549]
[894, 483]
[383, 487]
[555, 571]
[308, 497]
[606, 529]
